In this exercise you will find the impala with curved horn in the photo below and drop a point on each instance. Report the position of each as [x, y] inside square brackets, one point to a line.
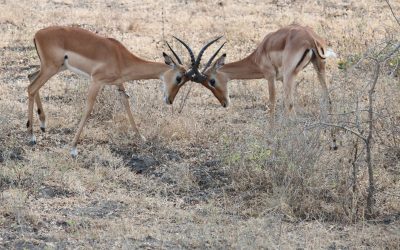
[280, 56]
[195, 75]
[105, 61]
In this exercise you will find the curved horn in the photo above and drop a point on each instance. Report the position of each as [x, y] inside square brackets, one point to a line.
[212, 58]
[188, 48]
[194, 73]
[204, 49]
[173, 52]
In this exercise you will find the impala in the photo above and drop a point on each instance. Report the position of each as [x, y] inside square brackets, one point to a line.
[280, 56]
[105, 61]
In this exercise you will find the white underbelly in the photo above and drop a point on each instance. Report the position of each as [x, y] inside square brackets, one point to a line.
[77, 71]
[78, 64]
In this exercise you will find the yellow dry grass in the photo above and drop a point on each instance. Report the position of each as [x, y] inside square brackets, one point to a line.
[212, 177]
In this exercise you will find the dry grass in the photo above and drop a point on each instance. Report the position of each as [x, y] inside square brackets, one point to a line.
[207, 177]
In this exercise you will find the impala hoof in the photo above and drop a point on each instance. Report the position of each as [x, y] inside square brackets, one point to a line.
[32, 141]
[43, 127]
[74, 152]
[167, 100]
[225, 104]
[334, 146]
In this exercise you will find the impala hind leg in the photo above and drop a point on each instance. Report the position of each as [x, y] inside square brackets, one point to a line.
[38, 79]
[125, 101]
[93, 91]
[294, 60]
[319, 66]
[33, 76]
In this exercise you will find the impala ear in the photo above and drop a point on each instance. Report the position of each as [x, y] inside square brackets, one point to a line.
[220, 62]
[168, 60]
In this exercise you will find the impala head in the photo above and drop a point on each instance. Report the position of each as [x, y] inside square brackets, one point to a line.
[210, 77]
[174, 78]
[217, 81]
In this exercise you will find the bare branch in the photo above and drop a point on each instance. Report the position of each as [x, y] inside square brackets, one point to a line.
[368, 141]
[344, 128]
[392, 53]
[184, 99]
[395, 69]
[391, 9]
[374, 81]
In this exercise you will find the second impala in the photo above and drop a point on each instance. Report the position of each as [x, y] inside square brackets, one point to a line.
[280, 56]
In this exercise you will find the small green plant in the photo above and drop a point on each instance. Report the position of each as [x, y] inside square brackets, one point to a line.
[346, 63]
[259, 155]
[71, 223]
[233, 158]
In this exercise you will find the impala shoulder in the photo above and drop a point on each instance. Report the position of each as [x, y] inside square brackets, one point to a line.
[113, 40]
[117, 44]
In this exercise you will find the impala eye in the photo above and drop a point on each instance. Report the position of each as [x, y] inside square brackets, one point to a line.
[212, 82]
[178, 79]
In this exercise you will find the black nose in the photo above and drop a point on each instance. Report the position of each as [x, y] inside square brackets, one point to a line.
[224, 104]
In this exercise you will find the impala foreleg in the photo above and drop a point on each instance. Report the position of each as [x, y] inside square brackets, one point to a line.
[272, 97]
[125, 101]
[39, 79]
[94, 89]
[40, 111]
[288, 86]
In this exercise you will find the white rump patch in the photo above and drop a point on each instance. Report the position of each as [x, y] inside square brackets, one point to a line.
[330, 53]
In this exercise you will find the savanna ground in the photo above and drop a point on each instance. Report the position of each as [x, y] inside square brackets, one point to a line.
[207, 177]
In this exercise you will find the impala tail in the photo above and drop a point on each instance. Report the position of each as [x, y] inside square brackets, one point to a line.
[305, 59]
[322, 51]
[330, 53]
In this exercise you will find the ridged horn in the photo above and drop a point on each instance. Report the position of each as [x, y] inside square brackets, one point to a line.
[173, 52]
[189, 50]
[198, 59]
[212, 58]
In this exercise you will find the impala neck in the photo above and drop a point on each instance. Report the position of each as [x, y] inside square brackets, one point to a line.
[242, 69]
[137, 69]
